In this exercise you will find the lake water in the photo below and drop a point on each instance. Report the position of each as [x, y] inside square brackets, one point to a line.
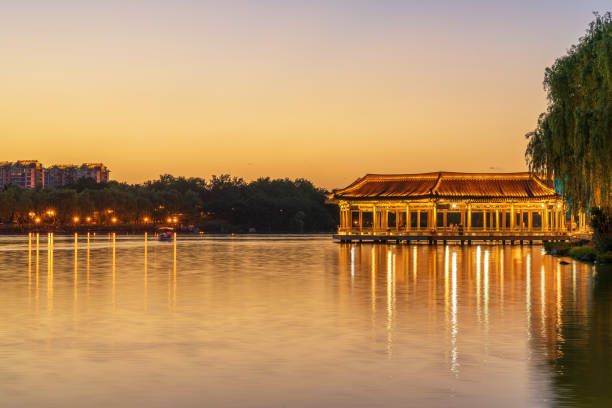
[298, 321]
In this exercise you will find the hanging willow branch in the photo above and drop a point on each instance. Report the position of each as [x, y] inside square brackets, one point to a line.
[572, 142]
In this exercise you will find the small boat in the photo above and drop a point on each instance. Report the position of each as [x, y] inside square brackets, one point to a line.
[166, 234]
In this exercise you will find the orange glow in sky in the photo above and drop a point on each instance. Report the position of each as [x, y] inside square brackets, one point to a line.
[327, 91]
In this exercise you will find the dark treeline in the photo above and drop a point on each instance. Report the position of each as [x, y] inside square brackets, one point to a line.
[221, 204]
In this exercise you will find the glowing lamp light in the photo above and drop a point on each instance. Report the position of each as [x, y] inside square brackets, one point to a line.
[146, 219]
[454, 205]
[169, 220]
[37, 220]
[114, 220]
[76, 219]
[50, 212]
[88, 219]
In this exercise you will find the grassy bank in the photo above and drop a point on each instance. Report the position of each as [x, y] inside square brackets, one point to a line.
[584, 251]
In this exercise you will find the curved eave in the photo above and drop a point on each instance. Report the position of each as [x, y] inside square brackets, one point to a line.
[335, 199]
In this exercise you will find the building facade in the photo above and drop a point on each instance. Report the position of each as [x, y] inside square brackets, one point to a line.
[60, 175]
[31, 173]
[97, 171]
[22, 173]
[453, 204]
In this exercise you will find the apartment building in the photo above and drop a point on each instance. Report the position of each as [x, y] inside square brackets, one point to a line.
[60, 174]
[23, 173]
[96, 171]
[31, 173]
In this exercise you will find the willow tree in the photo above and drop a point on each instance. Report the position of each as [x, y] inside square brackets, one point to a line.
[572, 142]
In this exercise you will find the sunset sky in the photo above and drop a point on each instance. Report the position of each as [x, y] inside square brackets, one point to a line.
[325, 90]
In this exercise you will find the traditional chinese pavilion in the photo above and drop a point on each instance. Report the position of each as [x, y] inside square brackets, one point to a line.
[452, 206]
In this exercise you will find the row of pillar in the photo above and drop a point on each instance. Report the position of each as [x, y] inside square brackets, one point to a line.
[556, 221]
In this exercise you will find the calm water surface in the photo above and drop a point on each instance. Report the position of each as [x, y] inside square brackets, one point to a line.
[300, 322]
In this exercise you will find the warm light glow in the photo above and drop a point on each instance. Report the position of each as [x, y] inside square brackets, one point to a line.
[88, 219]
[50, 213]
[454, 205]
[76, 219]
[37, 220]
[114, 220]
[264, 96]
[169, 220]
[146, 219]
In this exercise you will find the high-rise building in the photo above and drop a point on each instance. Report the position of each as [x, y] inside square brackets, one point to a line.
[60, 174]
[97, 171]
[30, 174]
[23, 173]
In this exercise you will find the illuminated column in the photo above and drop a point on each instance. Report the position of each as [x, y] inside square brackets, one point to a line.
[418, 226]
[484, 220]
[496, 219]
[462, 217]
[469, 217]
[407, 218]
[360, 219]
[512, 217]
[445, 218]
[374, 218]
[572, 220]
[434, 216]
[543, 215]
[562, 218]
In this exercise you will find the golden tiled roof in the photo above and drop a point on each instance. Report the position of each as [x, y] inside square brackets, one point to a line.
[449, 185]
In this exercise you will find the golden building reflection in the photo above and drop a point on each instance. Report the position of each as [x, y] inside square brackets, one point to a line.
[146, 270]
[114, 271]
[474, 302]
[37, 290]
[50, 271]
[76, 269]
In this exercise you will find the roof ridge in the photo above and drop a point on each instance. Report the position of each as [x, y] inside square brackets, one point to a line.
[436, 184]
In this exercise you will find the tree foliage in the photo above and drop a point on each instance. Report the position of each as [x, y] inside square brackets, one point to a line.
[572, 142]
[222, 204]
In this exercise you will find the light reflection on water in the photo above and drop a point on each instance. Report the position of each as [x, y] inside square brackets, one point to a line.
[297, 321]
